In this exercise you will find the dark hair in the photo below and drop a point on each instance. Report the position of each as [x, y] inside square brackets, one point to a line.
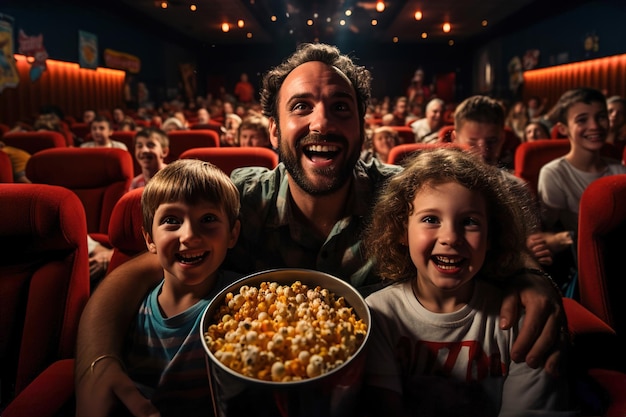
[359, 76]
[164, 140]
[576, 95]
[481, 109]
[102, 118]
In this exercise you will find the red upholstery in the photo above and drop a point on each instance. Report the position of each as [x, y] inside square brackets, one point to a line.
[125, 228]
[228, 159]
[47, 395]
[614, 384]
[6, 168]
[33, 142]
[44, 280]
[99, 176]
[531, 156]
[601, 245]
[405, 133]
[127, 137]
[445, 133]
[4, 129]
[181, 140]
[398, 153]
[207, 126]
[556, 134]
[80, 130]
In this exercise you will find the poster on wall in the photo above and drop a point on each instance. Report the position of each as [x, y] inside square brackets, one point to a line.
[122, 61]
[9, 77]
[87, 50]
[36, 54]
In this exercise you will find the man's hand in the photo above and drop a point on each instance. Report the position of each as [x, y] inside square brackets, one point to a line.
[539, 340]
[538, 246]
[98, 394]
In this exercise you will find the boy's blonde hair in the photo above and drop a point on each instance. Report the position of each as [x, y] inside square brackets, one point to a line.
[190, 181]
[384, 238]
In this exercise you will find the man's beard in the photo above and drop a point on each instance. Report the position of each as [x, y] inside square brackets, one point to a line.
[337, 177]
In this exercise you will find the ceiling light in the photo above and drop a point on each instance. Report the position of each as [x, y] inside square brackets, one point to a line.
[249, 35]
[424, 35]
[342, 22]
[446, 27]
[395, 39]
[193, 7]
[484, 23]
[241, 23]
[348, 12]
[451, 42]
[164, 5]
[309, 22]
[374, 22]
[380, 6]
[273, 18]
[418, 15]
[225, 27]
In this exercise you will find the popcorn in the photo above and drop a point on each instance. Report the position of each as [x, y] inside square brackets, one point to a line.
[284, 333]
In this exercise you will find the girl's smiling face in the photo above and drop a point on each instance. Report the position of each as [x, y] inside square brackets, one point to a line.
[447, 239]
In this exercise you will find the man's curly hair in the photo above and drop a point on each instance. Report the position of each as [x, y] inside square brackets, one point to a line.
[359, 76]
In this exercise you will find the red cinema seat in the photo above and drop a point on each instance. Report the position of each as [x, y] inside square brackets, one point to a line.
[44, 283]
[33, 142]
[125, 233]
[182, 140]
[531, 156]
[399, 153]
[98, 176]
[227, 159]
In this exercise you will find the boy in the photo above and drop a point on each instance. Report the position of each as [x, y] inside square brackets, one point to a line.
[254, 131]
[479, 126]
[151, 147]
[582, 116]
[101, 135]
[190, 220]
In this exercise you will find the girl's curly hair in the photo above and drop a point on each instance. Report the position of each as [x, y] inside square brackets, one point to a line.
[387, 230]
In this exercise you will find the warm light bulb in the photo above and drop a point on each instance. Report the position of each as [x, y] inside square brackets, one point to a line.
[240, 23]
[395, 39]
[273, 18]
[418, 15]
[193, 7]
[380, 6]
[249, 35]
[374, 22]
[163, 5]
[424, 35]
[225, 27]
[484, 23]
[309, 22]
[446, 27]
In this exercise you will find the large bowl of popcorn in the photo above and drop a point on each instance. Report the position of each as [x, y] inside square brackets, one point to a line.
[286, 342]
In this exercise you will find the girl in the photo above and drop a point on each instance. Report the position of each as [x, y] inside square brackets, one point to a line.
[445, 230]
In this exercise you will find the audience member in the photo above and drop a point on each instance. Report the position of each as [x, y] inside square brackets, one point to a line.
[118, 117]
[101, 135]
[244, 90]
[180, 115]
[479, 126]
[230, 130]
[190, 211]
[172, 123]
[583, 118]
[308, 212]
[254, 131]
[617, 121]
[535, 131]
[517, 118]
[536, 107]
[427, 128]
[19, 158]
[399, 112]
[383, 139]
[151, 147]
[128, 124]
[456, 230]
[88, 116]
[203, 116]
[418, 92]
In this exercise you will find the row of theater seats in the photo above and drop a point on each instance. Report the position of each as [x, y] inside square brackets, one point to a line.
[46, 260]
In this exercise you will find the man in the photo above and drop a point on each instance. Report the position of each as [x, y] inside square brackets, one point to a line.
[309, 212]
[399, 112]
[427, 128]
